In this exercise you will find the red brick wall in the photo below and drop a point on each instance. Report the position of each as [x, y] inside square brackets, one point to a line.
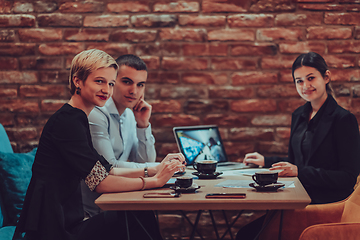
[211, 61]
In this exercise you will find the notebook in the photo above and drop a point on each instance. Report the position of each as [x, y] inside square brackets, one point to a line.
[203, 143]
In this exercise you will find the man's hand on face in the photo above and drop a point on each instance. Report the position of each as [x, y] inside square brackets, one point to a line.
[142, 112]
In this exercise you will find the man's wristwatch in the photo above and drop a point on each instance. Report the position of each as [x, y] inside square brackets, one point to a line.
[146, 173]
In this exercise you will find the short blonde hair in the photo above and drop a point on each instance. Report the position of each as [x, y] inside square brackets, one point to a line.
[88, 61]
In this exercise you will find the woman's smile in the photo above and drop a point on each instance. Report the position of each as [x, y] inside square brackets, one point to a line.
[308, 91]
[102, 97]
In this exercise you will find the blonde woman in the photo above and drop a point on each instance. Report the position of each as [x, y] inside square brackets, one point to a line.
[53, 205]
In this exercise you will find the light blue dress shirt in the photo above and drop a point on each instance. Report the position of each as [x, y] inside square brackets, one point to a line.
[120, 142]
[117, 138]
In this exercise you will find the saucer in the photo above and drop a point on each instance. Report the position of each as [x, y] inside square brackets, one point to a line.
[191, 189]
[267, 188]
[207, 176]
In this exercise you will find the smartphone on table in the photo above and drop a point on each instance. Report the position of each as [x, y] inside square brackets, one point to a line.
[225, 195]
[161, 195]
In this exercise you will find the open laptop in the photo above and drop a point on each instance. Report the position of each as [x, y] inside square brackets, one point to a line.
[203, 143]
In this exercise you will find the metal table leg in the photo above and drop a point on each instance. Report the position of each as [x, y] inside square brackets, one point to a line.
[227, 224]
[142, 227]
[138, 221]
[214, 225]
[281, 223]
[192, 225]
[265, 224]
[231, 225]
[127, 226]
[195, 224]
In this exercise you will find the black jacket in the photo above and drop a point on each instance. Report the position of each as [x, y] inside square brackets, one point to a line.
[331, 171]
[53, 203]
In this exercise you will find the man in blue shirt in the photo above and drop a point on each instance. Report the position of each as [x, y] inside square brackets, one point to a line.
[121, 131]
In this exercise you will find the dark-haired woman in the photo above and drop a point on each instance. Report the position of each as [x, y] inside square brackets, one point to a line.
[324, 146]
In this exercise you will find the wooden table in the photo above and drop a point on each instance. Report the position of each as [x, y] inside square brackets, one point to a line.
[287, 198]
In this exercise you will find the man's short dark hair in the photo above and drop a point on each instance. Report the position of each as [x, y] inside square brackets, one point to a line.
[132, 61]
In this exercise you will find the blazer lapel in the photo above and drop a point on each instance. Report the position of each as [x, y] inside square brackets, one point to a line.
[324, 126]
[298, 116]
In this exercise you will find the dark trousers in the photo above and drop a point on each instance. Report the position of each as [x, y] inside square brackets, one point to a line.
[112, 225]
[249, 231]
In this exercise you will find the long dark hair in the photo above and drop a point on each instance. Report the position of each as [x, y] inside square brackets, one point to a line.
[315, 60]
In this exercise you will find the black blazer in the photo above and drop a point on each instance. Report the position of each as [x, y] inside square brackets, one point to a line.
[53, 204]
[334, 162]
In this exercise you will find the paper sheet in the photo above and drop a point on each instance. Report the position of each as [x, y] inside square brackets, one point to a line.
[246, 172]
[245, 184]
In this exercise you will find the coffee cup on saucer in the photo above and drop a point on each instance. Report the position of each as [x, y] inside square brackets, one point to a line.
[205, 166]
[265, 178]
[184, 182]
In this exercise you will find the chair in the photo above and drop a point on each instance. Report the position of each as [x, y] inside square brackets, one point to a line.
[15, 175]
[5, 145]
[332, 221]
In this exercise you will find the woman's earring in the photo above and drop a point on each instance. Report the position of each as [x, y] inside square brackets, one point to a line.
[78, 90]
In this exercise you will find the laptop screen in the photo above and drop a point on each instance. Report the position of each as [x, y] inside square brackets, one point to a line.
[200, 143]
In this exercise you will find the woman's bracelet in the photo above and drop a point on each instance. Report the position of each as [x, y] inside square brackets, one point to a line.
[144, 182]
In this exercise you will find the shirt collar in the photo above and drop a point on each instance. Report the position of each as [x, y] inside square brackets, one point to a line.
[318, 115]
[111, 107]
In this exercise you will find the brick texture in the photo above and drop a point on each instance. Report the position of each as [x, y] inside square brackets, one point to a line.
[210, 62]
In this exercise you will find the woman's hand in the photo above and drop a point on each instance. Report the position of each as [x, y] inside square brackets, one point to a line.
[174, 162]
[288, 169]
[254, 158]
[170, 157]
